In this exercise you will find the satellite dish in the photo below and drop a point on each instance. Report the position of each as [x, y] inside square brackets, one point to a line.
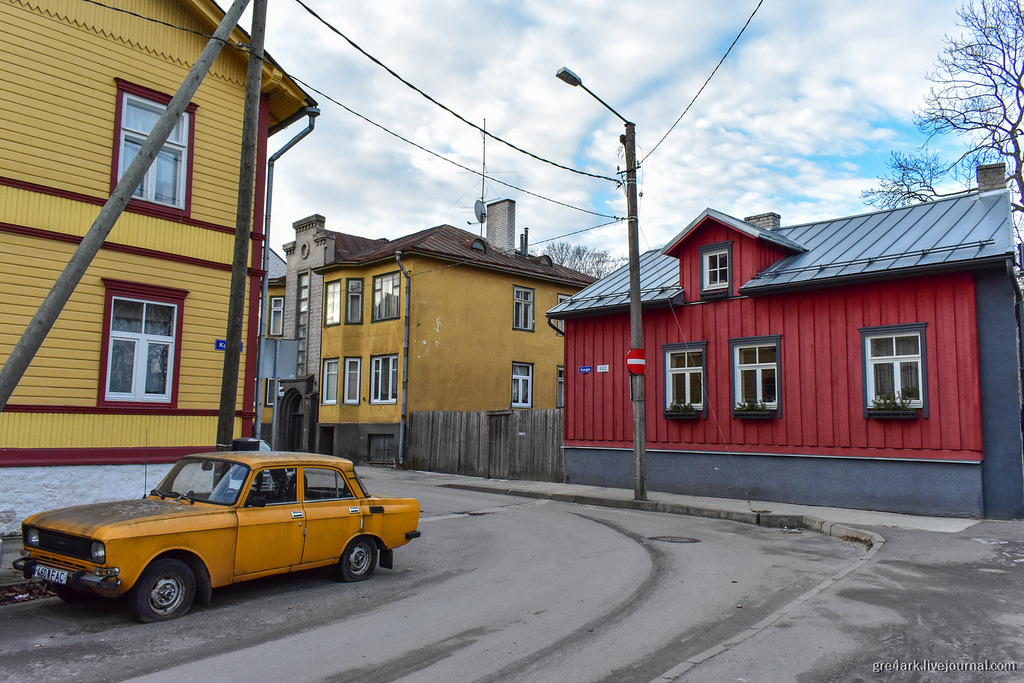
[480, 210]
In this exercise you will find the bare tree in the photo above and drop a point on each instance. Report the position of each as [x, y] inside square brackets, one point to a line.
[594, 262]
[978, 96]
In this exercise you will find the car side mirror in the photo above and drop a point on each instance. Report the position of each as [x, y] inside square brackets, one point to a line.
[256, 501]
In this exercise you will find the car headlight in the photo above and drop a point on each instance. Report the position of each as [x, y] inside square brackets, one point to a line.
[32, 537]
[99, 552]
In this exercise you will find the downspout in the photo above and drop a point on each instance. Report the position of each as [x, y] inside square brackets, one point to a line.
[312, 113]
[405, 365]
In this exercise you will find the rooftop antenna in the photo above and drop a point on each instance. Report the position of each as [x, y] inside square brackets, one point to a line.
[478, 208]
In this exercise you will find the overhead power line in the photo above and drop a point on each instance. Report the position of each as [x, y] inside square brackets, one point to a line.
[442, 106]
[720, 62]
[446, 159]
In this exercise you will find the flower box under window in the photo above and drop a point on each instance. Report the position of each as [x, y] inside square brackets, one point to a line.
[755, 414]
[894, 414]
[682, 415]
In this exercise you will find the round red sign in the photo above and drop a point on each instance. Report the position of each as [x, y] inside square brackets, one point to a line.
[635, 361]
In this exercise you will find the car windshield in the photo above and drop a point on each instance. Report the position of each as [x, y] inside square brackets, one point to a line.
[203, 480]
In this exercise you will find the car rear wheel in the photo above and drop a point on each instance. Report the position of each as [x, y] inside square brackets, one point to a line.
[164, 591]
[359, 559]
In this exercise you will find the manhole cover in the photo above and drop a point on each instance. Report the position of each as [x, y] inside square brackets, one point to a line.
[674, 539]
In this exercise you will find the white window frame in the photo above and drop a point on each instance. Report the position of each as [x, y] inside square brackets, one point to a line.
[353, 301]
[384, 379]
[275, 324]
[716, 278]
[700, 369]
[302, 319]
[871, 361]
[141, 342]
[387, 296]
[522, 308]
[353, 379]
[269, 391]
[332, 303]
[177, 146]
[560, 386]
[560, 324]
[522, 385]
[760, 368]
[329, 382]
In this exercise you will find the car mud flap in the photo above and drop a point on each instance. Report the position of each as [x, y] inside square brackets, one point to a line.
[387, 559]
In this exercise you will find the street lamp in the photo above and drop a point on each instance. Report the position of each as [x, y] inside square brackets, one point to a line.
[636, 332]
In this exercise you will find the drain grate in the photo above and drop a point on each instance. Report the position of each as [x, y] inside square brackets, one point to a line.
[674, 539]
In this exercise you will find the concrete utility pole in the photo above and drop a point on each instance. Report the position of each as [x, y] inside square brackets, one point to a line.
[35, 333]
[243, 221]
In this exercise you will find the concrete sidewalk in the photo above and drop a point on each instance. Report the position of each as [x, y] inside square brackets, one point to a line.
[856, 525]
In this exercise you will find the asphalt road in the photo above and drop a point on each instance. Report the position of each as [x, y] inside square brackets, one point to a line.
[502, 588]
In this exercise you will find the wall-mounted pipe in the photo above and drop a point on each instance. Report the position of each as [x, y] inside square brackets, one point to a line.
[405, 364]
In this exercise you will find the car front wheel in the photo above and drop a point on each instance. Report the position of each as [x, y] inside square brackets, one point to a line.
[359, 559]
[164, 591]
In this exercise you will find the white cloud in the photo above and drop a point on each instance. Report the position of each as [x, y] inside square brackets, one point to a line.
[798, 120]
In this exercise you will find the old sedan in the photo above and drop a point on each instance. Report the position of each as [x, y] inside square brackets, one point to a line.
[217, 519]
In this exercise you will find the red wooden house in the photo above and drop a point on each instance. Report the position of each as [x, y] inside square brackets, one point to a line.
[869, 362]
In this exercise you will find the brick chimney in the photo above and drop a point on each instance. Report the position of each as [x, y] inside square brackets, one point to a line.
[766, 221]
[501, 225]
[992, 177]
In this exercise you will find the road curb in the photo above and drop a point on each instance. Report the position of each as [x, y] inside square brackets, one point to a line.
[870, 540]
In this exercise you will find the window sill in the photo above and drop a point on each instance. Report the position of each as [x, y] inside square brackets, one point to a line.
[683, 416]
[711, 294]
[755, 414]
[909, 414]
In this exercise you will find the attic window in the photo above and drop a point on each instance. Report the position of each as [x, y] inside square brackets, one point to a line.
[715, 270]
[544, 260]
[479, 245]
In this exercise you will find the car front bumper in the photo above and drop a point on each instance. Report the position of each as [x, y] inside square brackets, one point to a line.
[79, 580]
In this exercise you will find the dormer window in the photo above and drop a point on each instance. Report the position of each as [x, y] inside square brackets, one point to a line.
[715, 270]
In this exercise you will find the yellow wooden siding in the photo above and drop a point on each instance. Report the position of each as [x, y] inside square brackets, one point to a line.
[41, 55]
[65, 430]
[72, 349]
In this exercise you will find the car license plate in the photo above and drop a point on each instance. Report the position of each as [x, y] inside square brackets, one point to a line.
[50, 574]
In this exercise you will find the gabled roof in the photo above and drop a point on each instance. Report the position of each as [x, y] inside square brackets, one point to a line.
[754, 231]
[450, 243]
[964, 232]
[951, 234]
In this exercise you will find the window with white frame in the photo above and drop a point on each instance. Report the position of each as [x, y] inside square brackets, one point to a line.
[269, 391]
[384, 379]
[275, 324]
[756, 372]
[560, 386]
[329, 382]
[560, 324]
[894, 366]
[715, 270]
[353, 302]
[522, 385]
[684, 375]
[386, 296]
[353, 372]
[140, 350]
[522, 308]
[165, 181]
[332, 303]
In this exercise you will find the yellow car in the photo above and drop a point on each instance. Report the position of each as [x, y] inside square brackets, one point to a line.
[216, 519]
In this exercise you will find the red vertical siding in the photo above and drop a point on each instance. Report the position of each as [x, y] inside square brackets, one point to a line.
[820, 370]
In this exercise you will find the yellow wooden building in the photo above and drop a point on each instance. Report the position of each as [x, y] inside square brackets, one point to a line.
[133, 359]
[440, 320]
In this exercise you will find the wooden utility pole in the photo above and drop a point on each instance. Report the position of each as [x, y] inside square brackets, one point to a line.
[35, 333]
[243, 223]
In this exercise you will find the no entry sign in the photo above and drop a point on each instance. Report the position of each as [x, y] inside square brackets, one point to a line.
[635, 361]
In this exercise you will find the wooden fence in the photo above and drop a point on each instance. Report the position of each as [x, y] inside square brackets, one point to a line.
[520, 444]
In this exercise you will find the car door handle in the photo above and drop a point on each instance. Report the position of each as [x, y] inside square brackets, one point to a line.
[296, 514]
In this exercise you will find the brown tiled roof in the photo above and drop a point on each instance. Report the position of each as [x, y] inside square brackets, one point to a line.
[450, 243]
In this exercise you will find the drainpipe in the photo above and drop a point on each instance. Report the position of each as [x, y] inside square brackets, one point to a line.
[405, 365]
[312, 113]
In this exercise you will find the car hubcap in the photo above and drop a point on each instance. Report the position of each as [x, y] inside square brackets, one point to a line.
[359, 559]
[167, 594]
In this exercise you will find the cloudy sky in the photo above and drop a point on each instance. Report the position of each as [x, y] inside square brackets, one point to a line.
[799, 119]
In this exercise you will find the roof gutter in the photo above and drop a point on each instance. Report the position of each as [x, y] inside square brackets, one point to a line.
[405, 364]
[311, 113]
